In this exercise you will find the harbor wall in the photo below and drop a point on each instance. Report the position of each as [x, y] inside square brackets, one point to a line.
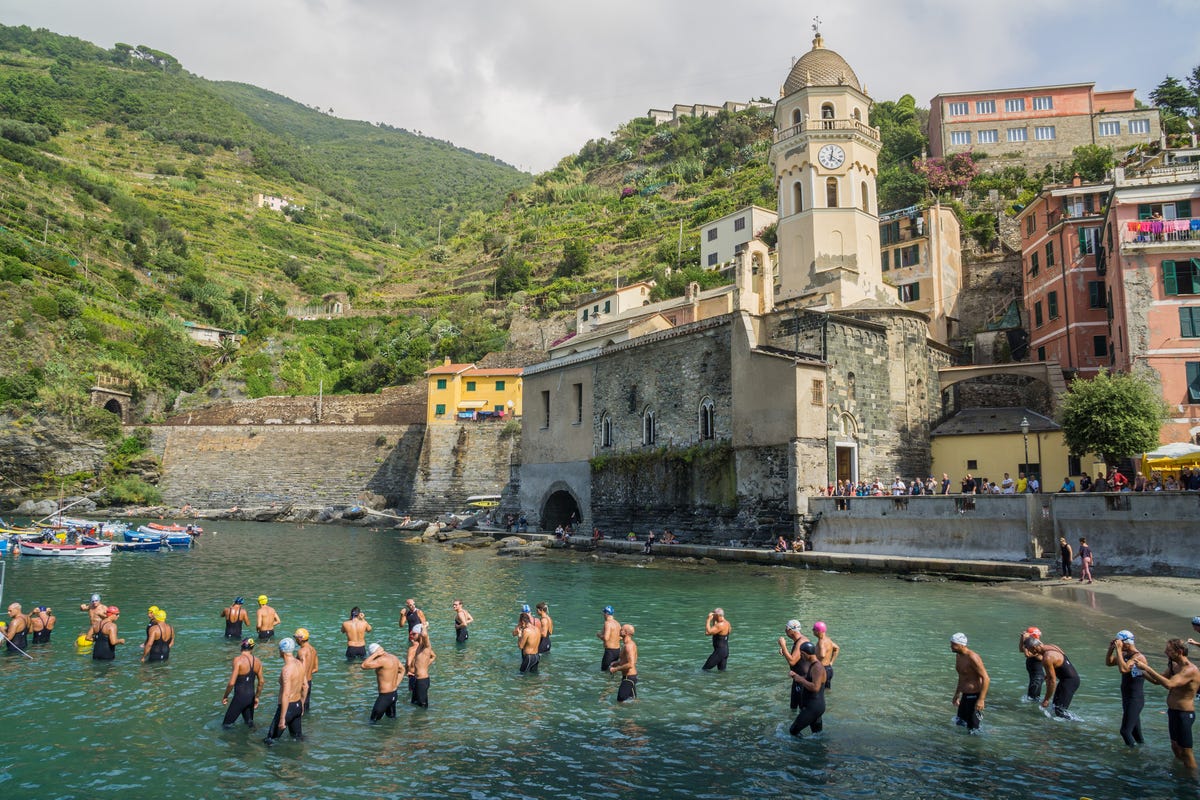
[1131, 532]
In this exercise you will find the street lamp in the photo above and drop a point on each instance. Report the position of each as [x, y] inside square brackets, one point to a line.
[1025, 437]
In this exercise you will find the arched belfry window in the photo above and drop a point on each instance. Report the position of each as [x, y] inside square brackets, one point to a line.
[858, 115]
[797, 116]
[831, 193]
[707, 418]
[797, 197]
[866, 200]
[649, 434]
[827, 111]
[606, 430]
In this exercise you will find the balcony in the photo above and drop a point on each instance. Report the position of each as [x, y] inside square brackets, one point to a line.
[1165, 234]
[809, 125]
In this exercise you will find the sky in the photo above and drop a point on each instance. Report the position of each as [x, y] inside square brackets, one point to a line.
[531, 81]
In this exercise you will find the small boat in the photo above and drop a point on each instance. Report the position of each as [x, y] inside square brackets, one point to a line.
[143, 547]
[172, 528]
[145, 533]
[65, 550]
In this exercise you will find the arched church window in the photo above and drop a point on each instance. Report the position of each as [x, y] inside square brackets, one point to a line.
[827, 111]
[797, 197]
[606, 432]
[858, 115]
[866, 200]
[649, 434]
[850, 386]
[797, 116]
[707, 418]
[831, 193]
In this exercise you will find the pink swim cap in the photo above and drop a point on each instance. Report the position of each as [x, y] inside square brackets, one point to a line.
[819, 626]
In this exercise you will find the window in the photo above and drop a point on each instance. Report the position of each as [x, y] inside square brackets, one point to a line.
[990, 136]
[1100, 346]
[439, 410]
[1112, 128]
[1096, 294]
[577, 393]
[886, 260]
[985, 106]
[606, 435]
[1049, 254]
[1181, 277]
[712, 259]
[607, 306]
[1044, 103]
[499, 409]
[1037, 314]
[1189, 322]
[866, 198]
[1041, 354]
[739, 224]
[441, 382]
[972, 464]
[797, 197]
[1033, 265]
[585, 319]
[1181, 209]
[470, 386]
[499, 386]
[1193, 381]
[889, 232]
[707, 419]
[1043, 133]
[957, 109]
[909, 292]
[1139, 126]
[910, 256]
[545, 409]
[1089, 239]
[1052, 304]
[649, 434]
[712, 234]
[818, 392]
[831, 193]
[1014, 104]
[1031, 223]
[827, 111]
[960, 137]
[1018, 134]
[850, 386]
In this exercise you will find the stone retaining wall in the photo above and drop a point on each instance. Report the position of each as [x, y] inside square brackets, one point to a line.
[1132, 532]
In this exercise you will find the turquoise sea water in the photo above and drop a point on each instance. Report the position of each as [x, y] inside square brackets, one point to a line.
[70, 727]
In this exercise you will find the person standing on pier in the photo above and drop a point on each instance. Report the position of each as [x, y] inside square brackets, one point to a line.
[356, 629]
[246, 683]
[235, 616]
[716, 626]
[387, 678]
[610, 634]
[1122, 653]
[547, 626]
[1182, 682]
[462, 618]
[626, 664]
[266, 620]
[809, 674]
[971, 692]
[1062, 679]
[306, 654]
[292, 692]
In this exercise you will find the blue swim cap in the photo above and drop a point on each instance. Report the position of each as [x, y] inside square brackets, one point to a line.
[287, 645]
[239, 600]
[525, 609]
[608, 610]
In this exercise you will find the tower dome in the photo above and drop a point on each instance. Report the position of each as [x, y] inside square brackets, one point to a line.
[820, 67]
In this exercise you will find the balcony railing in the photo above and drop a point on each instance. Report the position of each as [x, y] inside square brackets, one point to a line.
[1150, 232]
[857, 126]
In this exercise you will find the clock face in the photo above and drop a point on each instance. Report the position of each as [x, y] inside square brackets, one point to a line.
[831, 156]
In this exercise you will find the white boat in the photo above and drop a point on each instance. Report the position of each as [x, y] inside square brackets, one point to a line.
[145, 533]
[65, 550]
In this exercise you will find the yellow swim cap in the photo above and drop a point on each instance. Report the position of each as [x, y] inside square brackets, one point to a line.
[160, 616]
[151, 610]
[301, 633]
[262, 599]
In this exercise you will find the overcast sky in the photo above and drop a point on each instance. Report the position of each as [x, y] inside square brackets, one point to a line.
[530, 81]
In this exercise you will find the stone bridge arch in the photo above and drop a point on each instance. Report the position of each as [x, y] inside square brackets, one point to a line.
[560, 506]
[1046, 372]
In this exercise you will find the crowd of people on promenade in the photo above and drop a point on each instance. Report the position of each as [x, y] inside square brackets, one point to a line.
[1188, 480]
[1053, 679]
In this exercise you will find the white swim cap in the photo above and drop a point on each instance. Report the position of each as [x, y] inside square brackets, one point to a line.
[287, 645]
[958, 638]
[1125, 636]
[418, 628]
[793, 625]
[374, 648]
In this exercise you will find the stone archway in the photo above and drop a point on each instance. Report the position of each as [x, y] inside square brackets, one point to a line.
[560, 508]
[113, 401]
[113, 406]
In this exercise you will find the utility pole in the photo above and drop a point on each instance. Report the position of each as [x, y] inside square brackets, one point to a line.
[679, 250]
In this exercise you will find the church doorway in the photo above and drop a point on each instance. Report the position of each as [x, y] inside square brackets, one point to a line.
[560, 509]
[847, 463]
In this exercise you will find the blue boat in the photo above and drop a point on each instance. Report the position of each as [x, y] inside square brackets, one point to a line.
[143, 547]
[173, 538]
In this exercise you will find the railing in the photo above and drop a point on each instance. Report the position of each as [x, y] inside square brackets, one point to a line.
[1161, 231]
[858, 126]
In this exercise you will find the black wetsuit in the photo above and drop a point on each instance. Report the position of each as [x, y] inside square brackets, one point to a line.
[1037, 677]
[421, 692]
[1179, 727]
[295, 712]
[460, 632]
[529, 662]
[796, 693]
[1133, 699]
[233, 630]
[720, 653]
[544, 645]
[812, 704]
[42, 636]
[102, 649]
[412, 618]
[242, 703]
[160, 650]
[385, 705]
[16, 640]
[628, 688]
[1068, 684]
[1065, 556]
[968, 714]
[611, 656]
[356, 651]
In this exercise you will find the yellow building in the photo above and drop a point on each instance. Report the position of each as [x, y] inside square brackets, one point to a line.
[988, 442]
[467, 392]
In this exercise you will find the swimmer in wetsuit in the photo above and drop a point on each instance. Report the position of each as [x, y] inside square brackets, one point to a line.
[789, 648]
[246, 684]
[41, 624]
[529, 638]
[387, 677]
[1122, 653]
[292, 691]
[18, 629]
[234, 616]
[160, 641]
[1182, 682]
[462, 618]
[412, 616]
[356, 629]
[547, 626]
[610, 634]
[716, 626]
[1033, 662]
[626, 664]
[1062, 679]
[809, 674]
[970, 694]
[105, 636]
[265, 620]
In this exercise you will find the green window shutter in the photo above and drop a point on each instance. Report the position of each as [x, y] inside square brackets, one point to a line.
[1193, 380]
[441, 384]
[896, 257]
[1187, 326]
[1170, 284]
[1183, 209]
[1083, 242]
[1144, 211]
[439, 410]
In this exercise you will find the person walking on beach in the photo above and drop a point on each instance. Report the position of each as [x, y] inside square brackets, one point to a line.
[529, 638]
[1182, 682]
[306, 654]
[1066, 555]
[412, 616]
[292, 692]
[1122, 654]
[718, 628]
[419, 661]
[1033, 662]
[610, 634]
[1085, 560]
[235, 616]
[970, 695]
[266, 620]
[547, 626]
[159, 640]
[462, 618]
[387, 680]
[356, 629]
[789, 648]
[1062, 679]
[246, 683]
[626, 664]
[827, 651]
[809, 674]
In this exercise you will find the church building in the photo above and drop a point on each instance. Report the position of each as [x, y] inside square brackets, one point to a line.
[808, 370]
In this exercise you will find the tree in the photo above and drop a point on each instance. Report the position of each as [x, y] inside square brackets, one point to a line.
[575, 260]
[513, 275]
[1116, 416]
[1175, 98]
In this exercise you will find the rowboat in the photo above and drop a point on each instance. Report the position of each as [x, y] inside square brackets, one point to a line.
[173, 528]
[141, 547]
[65, 550]
[144, 533]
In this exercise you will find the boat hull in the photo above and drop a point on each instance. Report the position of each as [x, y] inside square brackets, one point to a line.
[65, 550]
[145, 534]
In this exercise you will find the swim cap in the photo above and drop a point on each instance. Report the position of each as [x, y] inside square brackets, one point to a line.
[608, 610]
[958, 638]
[1035, 632]
[247, 643]
[374, 648]
[42, 608]
[525, 609]
[1034, 642]
[1196, 620]
[160, 616]
[793, 625]
[301, 634]
[151, 610]
[819, 626]
[287, 645]
[113, 611]
[808, 648]
[1125, 636]
[262, 599]
[95, 598]
[418, 628]
[237, 601]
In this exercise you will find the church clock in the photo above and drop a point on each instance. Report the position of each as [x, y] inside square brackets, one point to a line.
[831, 156]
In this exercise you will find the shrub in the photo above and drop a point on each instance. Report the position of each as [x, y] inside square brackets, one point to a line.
[131, 491]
